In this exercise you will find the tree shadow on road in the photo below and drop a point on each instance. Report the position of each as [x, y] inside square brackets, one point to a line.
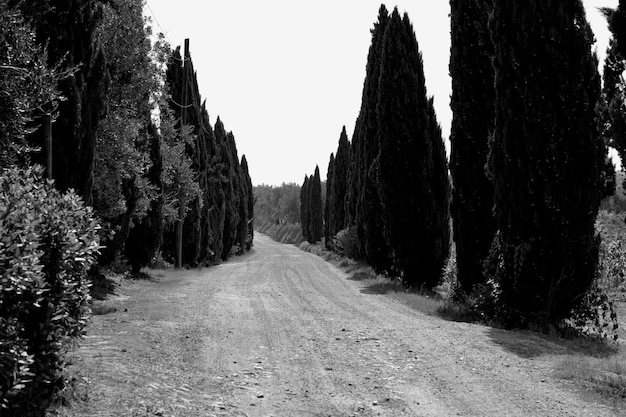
[373, 284]
[527, 344]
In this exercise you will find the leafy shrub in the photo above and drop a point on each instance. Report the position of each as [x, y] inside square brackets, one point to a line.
[613, 262]
[449, 270]
[48, 241]
[612, 257]
[346, 243]
[594, 317]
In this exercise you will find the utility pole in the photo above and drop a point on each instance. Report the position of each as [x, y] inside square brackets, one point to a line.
[47, 131]
[181, 197]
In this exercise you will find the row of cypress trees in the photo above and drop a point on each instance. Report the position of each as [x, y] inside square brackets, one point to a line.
[390, 186]
[336, 187]
[528, 163]
[107, 148]
[219, 218]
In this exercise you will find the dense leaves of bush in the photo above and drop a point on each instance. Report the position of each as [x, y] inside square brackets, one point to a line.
[346, 243]
[594, 316]
[48, 241]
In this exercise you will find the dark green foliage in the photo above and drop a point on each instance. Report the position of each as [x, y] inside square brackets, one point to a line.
[27, 85]
[330, 203]
[611, 107]
[339, 187]
[315, 209]
[145, 238]
[231, 191]
[122, 194]
[364, 210]
[216, 218]
[248, 201]
[68, 29]
[47, 245]
[411, 167]
[617, 24]
[304, 207]
[277, 204]
[472, 103]
[595, 317]
[546, 158]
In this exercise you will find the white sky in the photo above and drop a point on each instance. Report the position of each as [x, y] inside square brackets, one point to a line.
[286, 75]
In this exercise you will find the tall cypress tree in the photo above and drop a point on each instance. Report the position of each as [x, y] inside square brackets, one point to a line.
[612, 107]
[315, 211]
[617, 24]
[250, 200]
[339, 186]
[411, 166]
[304, 208]
[242, 227]
[472, 103]
[364, 126]
[330, 203]
[546, 157]
[231, 187]
[213, 223]
[610, 115]
[368, 210]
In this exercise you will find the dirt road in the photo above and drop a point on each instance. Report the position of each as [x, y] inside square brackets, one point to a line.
[281, 332]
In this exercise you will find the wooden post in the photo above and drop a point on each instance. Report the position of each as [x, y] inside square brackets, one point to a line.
[183, 114]
[47, 130]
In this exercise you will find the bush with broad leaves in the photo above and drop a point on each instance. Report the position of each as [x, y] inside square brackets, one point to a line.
[48, 242]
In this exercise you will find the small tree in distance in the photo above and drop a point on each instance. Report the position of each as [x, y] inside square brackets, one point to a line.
[316, 214]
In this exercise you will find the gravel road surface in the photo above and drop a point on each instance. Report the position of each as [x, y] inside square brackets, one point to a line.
[281, 332]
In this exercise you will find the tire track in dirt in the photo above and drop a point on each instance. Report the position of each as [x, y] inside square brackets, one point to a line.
[280, 332]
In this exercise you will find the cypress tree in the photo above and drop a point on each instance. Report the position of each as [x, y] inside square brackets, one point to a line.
[364, 134]
[304, 208]
[472, 103]
[230, 186]
[610, 116]
[340, 185]
[316, 213]
[192, 226]
[617, 24]
[354, 181]
[330, 204]
[213, 222]
[411, 166]
[368, 211]
[249, 201]
[612, 107]
[546, 158]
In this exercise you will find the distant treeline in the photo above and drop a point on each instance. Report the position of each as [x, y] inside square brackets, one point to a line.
[279, 204]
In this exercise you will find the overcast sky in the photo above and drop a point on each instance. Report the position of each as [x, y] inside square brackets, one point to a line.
[285, 75]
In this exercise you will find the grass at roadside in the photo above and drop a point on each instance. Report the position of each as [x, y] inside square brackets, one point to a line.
[605, 376]
[373, 283]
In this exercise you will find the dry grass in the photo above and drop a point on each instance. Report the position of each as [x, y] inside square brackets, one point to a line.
[603, 375]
